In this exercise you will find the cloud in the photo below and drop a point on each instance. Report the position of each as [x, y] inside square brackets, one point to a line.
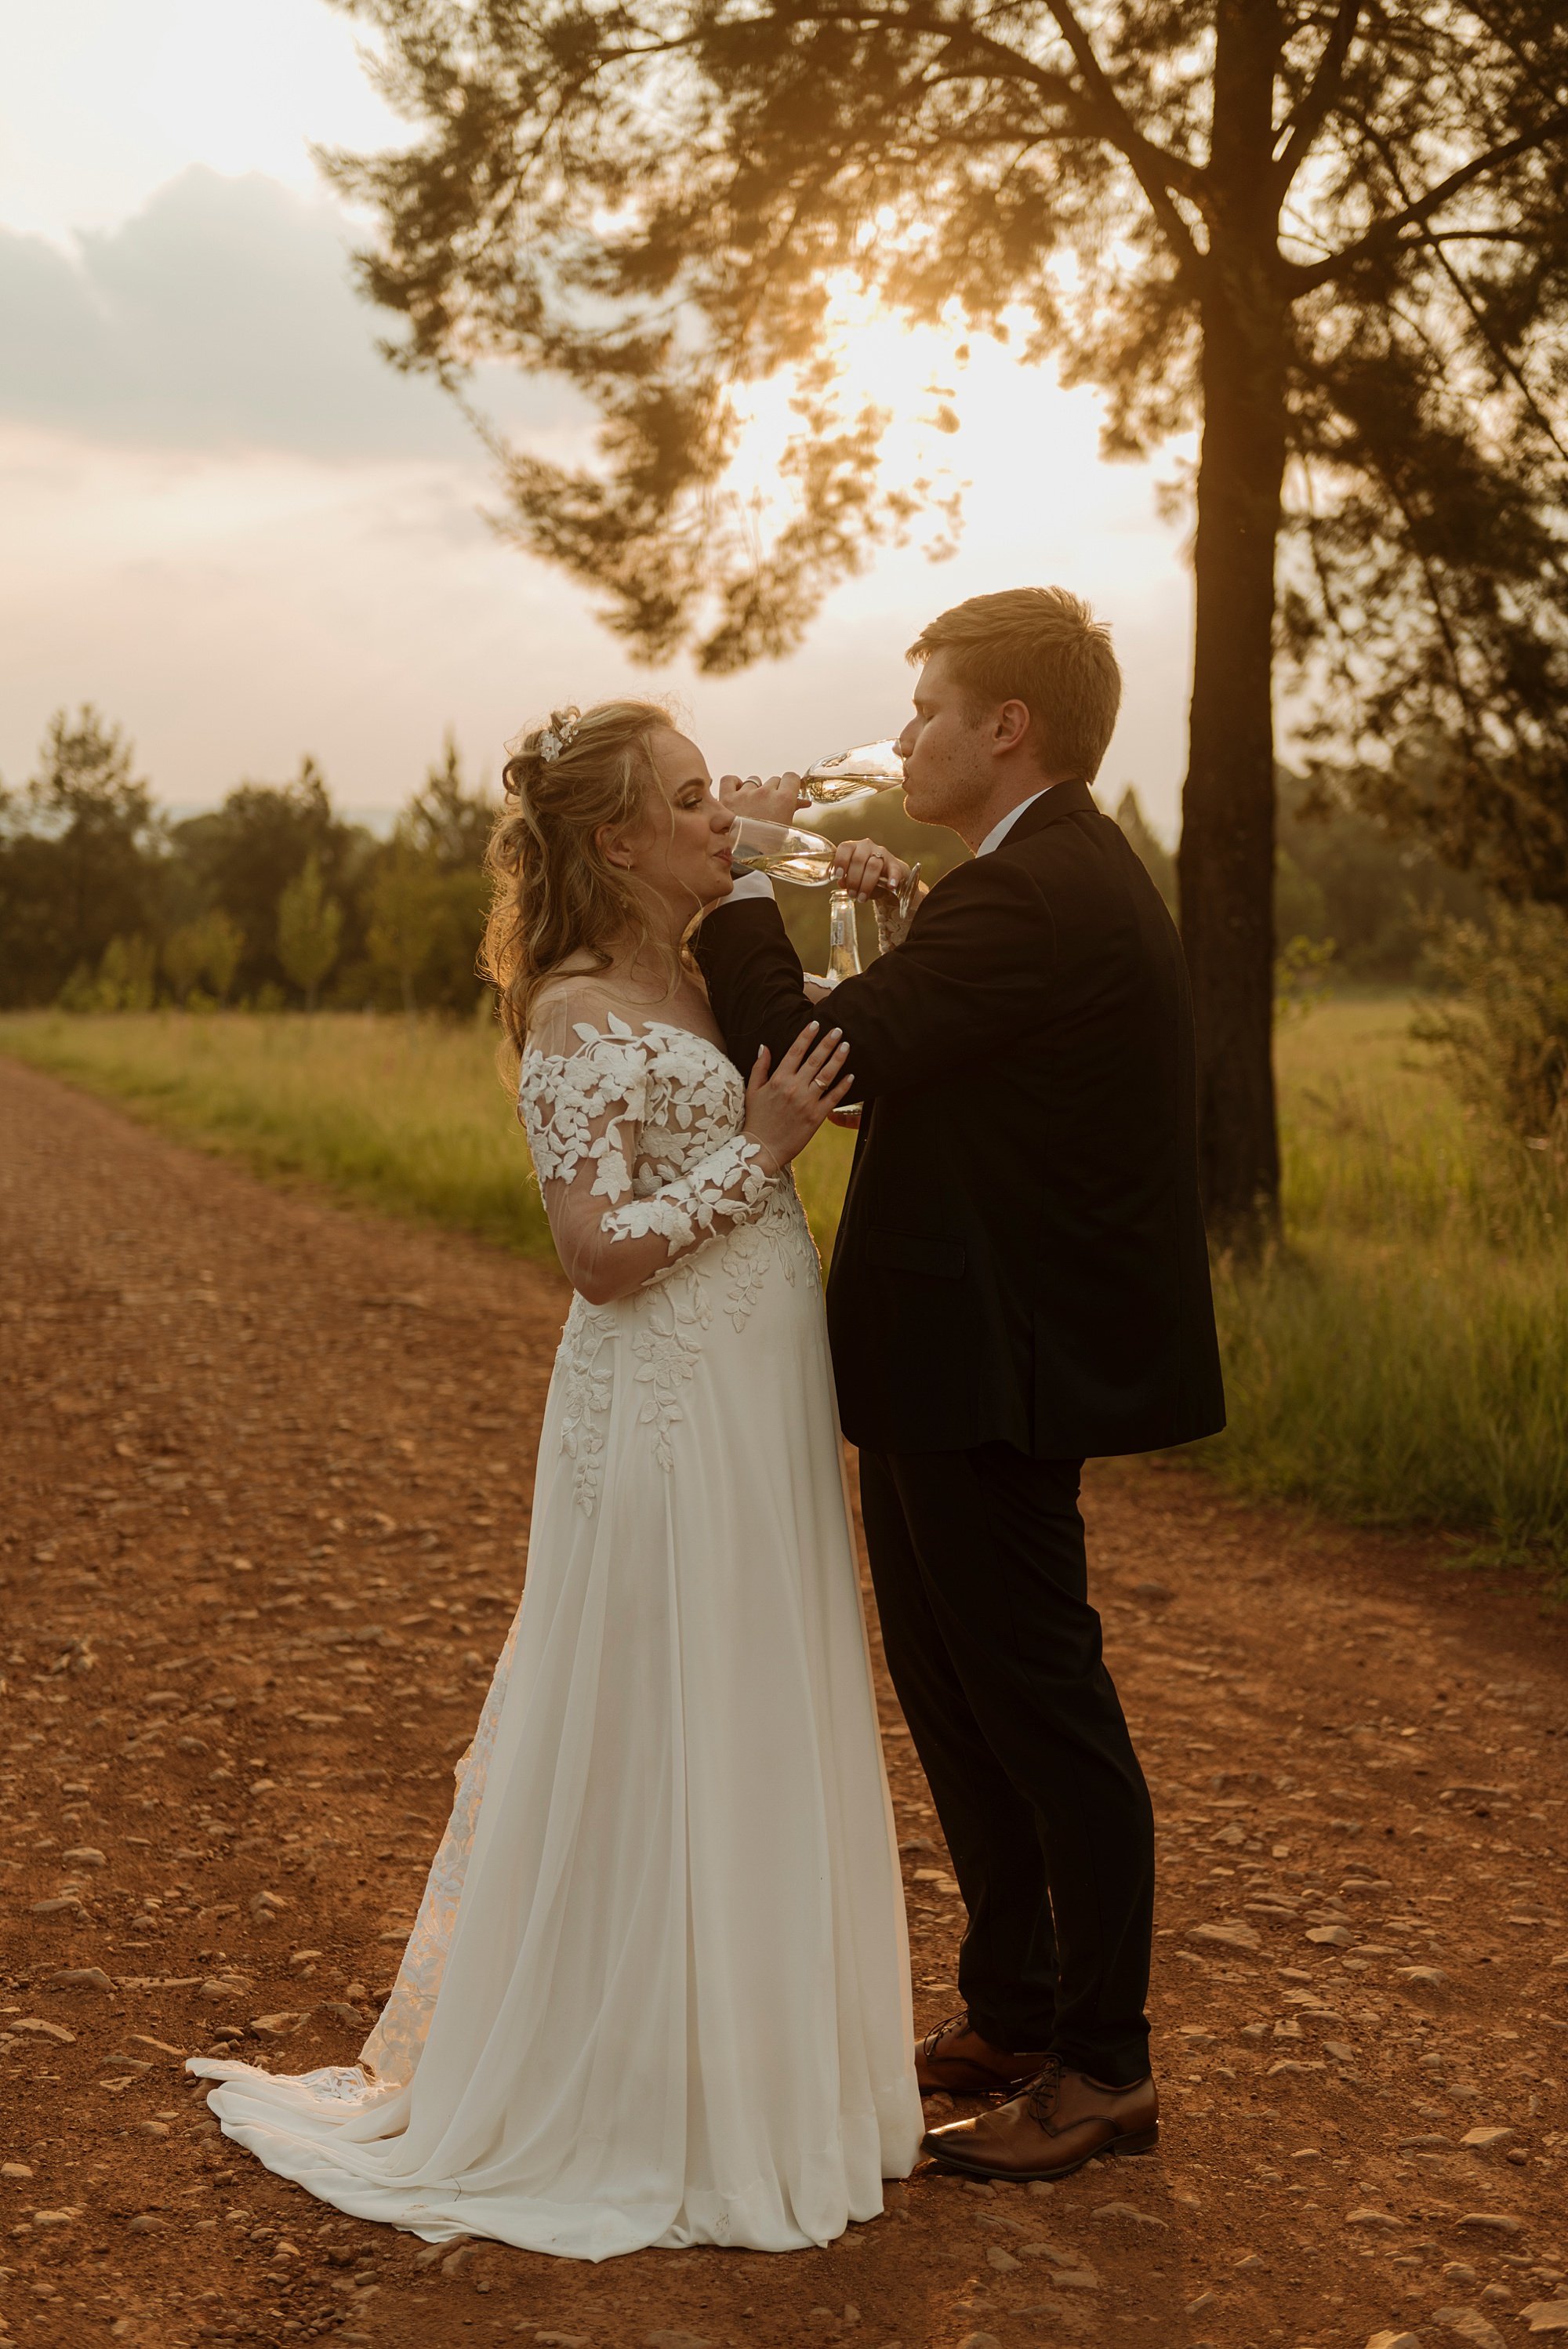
[218, 319]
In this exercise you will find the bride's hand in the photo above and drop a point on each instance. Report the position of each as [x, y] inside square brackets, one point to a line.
[773, 802]
[783, 1111]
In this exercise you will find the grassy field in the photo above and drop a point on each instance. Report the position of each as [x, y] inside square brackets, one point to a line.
[1402, 1360]
[414, 1117]
[411, 1117]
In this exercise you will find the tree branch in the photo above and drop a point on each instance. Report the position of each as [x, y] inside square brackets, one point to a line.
[1093, 108]
[1387, 232]
[1437, 239]
[1307, 120]
[1156, 172]
[1477, 236]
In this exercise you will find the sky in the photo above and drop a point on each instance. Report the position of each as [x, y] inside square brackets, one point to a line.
[229, 524]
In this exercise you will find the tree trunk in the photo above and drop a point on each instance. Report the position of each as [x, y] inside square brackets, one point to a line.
[1227, 855]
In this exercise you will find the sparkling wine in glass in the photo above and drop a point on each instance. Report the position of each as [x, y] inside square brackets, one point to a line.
[786, 854]
[856, 774]
[781, 851]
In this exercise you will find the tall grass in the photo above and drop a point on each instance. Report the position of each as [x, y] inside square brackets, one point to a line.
[408, 1116]
[1402, 1358]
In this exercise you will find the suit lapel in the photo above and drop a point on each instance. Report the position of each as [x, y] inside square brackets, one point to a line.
[1053, 806]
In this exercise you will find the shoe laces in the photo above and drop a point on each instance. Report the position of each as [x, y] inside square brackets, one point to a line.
[1043, 2089]
[959, 2021]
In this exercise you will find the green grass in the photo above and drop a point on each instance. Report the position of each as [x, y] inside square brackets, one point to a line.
[1402, 1360]
[410, 1117]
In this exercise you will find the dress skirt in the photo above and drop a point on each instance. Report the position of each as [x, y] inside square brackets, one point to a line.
[658, 1990]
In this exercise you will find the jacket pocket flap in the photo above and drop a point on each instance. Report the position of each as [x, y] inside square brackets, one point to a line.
[916, 1252]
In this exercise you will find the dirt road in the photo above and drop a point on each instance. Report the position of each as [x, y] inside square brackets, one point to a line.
[266, 1476]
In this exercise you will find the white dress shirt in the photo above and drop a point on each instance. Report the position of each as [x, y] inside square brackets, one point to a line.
[998, 832]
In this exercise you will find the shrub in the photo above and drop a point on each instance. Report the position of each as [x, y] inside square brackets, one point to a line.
[1502, 1036]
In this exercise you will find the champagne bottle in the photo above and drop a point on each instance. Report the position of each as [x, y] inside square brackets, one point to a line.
[844, 939]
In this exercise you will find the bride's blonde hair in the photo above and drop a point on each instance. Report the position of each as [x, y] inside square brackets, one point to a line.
[554, 893]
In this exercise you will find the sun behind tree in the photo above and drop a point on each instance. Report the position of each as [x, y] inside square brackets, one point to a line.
[1337, 239]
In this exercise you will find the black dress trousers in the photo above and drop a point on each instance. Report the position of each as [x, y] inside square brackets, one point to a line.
[982, 1587]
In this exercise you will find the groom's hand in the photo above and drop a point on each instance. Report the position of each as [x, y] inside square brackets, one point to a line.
[773, 802]
[869, 869]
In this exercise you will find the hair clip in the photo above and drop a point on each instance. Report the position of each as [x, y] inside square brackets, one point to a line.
[556, 739]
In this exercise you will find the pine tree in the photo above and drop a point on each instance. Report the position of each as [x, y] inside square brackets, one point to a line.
[310, 925]
[1334, 237]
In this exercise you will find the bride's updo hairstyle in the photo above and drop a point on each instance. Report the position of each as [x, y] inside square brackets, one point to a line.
[555, 895]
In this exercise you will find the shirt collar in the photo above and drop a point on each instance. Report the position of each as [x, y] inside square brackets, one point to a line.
[998, 832]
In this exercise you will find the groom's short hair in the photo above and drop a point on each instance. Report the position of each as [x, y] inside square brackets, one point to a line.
[1044, 648]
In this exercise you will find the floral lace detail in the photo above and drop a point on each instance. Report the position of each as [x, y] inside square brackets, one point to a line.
[734, 1182]
[668, 1353]
[781, 1236]
[587, 1384]
[688, 1168]
[392, 2052]
[560, 1098]
[337, 2083]
[645, 1132]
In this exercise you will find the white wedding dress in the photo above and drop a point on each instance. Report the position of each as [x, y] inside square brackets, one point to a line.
[658, 1988]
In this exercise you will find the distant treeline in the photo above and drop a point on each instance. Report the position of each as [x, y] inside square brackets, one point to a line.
[274, 898]
[1340, 880]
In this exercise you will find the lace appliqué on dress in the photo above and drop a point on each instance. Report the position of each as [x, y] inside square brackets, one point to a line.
[651, 1123]
[781, 1236]
[392, 2052]
[689, 1169]
[587, 1384]
[666, 1350]
[731, 1184]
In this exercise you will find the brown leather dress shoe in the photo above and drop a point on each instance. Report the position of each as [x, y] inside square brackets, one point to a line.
[954, 2061]
[1061, 2120]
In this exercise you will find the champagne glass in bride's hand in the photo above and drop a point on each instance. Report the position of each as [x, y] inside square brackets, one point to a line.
[781, 851]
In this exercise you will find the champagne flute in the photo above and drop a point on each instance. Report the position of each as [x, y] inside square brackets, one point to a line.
[782, 851]
[855, 774]
[786, 854]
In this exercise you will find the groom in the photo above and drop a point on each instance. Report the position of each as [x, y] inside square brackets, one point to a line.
[1020, 1279]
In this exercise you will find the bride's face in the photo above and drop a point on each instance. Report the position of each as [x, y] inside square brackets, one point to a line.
[680, 850]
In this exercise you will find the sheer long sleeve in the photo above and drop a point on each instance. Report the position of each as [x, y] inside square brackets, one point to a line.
[607, 1110]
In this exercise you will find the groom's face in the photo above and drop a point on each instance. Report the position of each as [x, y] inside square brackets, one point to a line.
[947, 769]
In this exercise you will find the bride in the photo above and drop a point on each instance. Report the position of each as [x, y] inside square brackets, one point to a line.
[658, 1988]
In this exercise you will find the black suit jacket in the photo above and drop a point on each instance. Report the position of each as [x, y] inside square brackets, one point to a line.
[1022, 1256]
